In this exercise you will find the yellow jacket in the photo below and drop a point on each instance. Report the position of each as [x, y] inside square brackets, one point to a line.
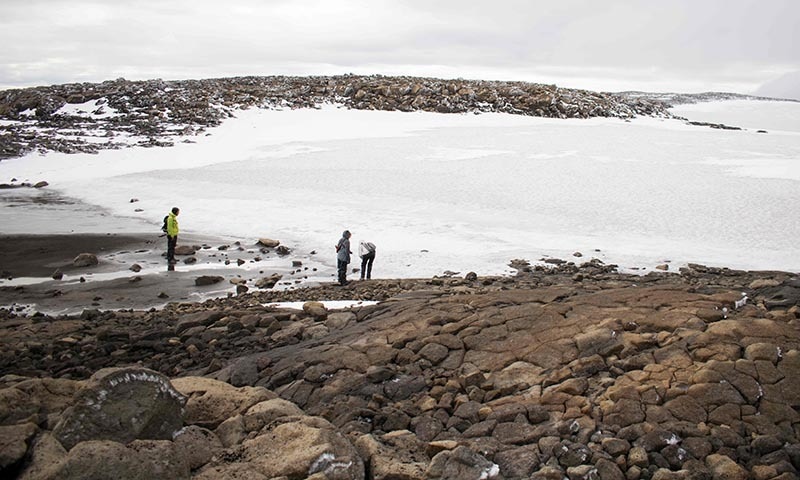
[172, 225]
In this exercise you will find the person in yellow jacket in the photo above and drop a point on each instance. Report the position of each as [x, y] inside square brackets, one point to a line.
[172, 234]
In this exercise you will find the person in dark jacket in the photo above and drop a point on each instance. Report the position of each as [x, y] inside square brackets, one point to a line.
[343, 256]
[366, 250]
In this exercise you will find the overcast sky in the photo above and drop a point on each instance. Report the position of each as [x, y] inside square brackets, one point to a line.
[609, 45]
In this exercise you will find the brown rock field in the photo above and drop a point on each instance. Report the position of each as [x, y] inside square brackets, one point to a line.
[572, 372]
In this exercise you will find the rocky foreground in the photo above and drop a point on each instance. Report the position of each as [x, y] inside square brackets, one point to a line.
[572, 372]
[89, 117]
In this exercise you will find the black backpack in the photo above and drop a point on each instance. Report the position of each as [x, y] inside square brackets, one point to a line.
[164, 227]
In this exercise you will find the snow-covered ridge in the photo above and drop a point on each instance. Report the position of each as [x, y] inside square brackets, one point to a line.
[90, 117]
[675, 99]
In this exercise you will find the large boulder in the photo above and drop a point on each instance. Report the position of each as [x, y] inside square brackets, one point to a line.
[303, 448]
[107, 460]
[51, 395]
[211, 402]
[122, 404]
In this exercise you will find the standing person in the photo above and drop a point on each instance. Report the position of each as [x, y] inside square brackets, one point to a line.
[366, 250]
[343, 256]
[172, 234]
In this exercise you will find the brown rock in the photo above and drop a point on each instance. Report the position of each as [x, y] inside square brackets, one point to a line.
[461, 463]
[434, 352]
[196, 445]
[85, 260]
[395, 456]
[206, 280]
[185, 250]
[140, 460]
[301, 449]
[210, 402]
[14, 441]
[316, 310]
[723, 468]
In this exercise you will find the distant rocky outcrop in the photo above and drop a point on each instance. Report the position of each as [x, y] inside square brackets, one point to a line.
[571, 371]
[688, 98]
[89, 117]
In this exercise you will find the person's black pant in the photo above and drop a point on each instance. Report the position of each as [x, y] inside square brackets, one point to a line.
[366, 265]
[171, 243]
[342, 271]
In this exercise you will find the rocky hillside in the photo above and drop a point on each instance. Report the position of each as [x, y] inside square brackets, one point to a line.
[89, 117]
[571, 372]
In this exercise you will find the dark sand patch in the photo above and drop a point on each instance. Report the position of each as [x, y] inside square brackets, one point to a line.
[41, 255]
[27, 263]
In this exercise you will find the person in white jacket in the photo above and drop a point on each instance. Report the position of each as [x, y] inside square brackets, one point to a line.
[366, 250]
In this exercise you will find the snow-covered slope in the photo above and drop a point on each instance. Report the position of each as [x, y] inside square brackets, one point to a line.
[460, 192]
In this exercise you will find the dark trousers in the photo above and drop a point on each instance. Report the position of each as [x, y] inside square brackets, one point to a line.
[366, 265]
[171, 243]
[342, 271]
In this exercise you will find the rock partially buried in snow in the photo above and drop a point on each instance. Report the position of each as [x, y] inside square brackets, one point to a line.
[207, 280]
[122, 404]
[85, 260]
[268, 282]
[268, 242]
[185, 250]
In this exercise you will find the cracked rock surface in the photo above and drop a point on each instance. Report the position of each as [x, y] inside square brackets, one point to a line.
[571, 371]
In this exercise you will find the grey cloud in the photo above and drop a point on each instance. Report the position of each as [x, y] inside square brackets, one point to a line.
[734, 42]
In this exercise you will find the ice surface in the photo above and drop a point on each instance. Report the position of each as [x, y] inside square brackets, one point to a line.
[757, 115]
[463, 193]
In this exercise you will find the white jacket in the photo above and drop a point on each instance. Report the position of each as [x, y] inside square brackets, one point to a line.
[365, 248]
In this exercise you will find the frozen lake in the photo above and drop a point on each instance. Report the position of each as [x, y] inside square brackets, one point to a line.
[458, 192]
